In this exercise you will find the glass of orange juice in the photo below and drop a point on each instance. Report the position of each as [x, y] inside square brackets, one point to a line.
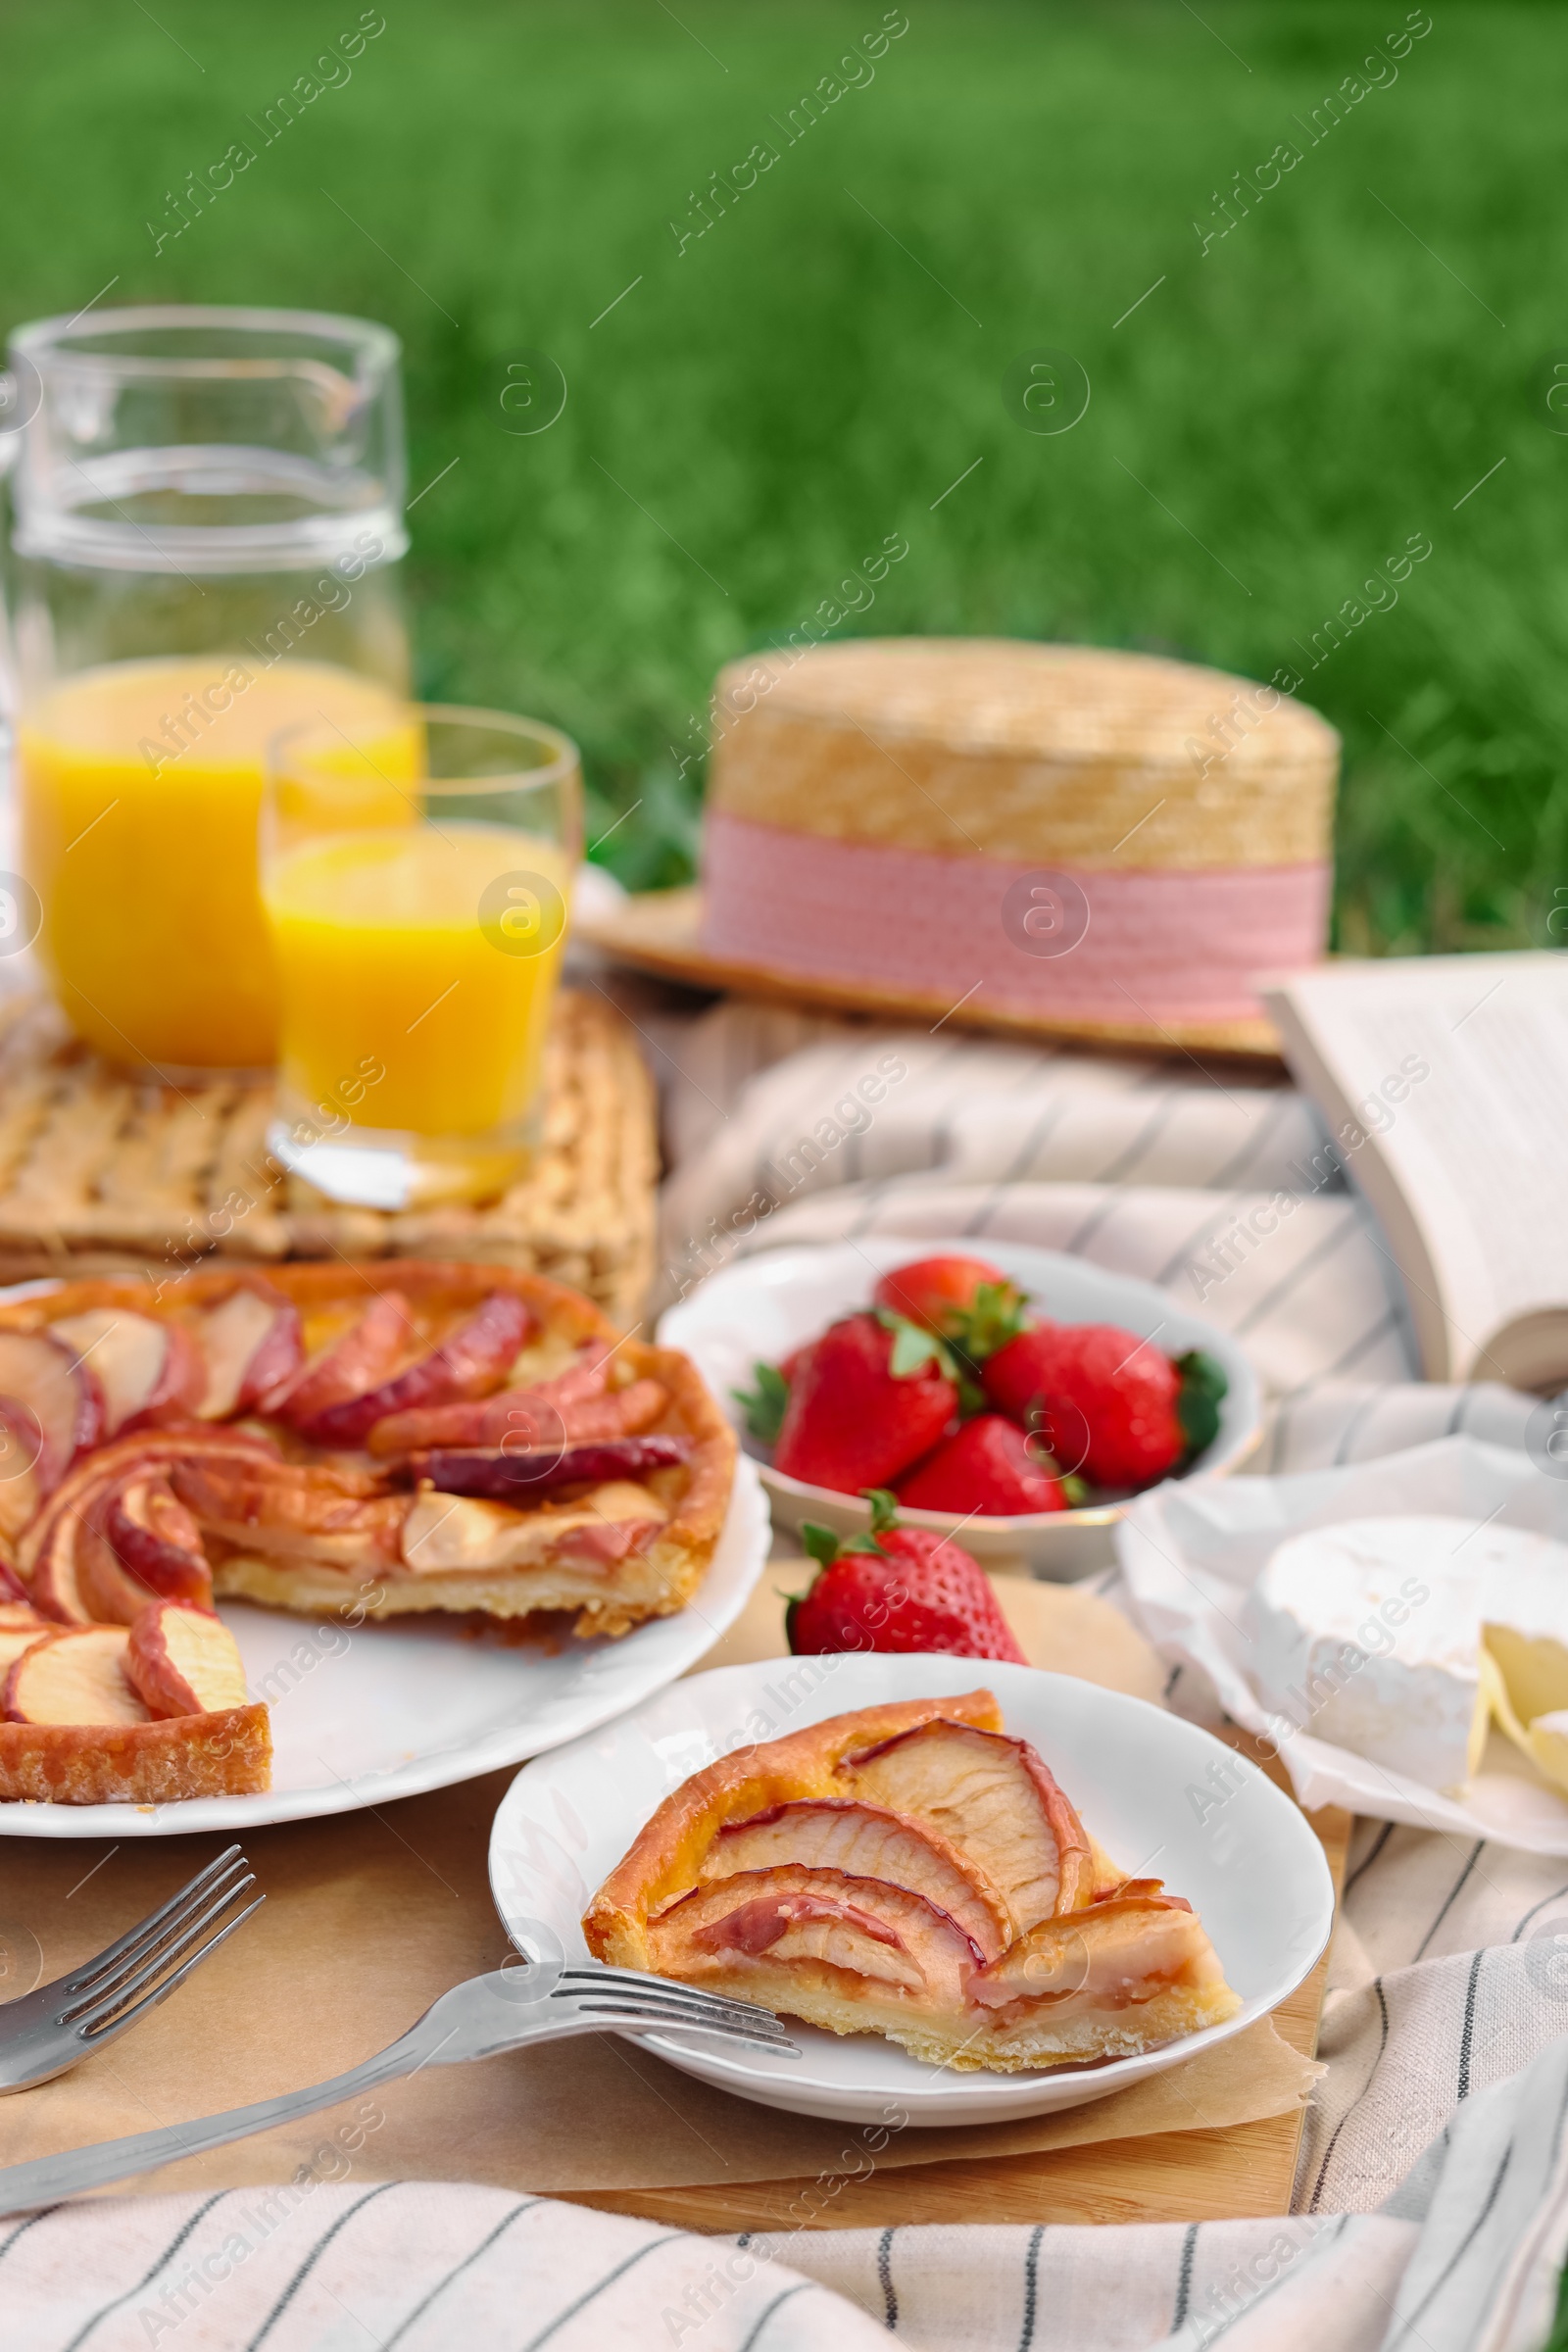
[417, 887]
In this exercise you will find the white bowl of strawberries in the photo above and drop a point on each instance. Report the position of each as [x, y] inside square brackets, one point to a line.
[1023, 1396]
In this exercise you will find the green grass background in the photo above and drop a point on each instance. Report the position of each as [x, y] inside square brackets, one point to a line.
[1265, 430]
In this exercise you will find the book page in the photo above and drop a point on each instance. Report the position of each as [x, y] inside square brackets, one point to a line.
[1455, 1070]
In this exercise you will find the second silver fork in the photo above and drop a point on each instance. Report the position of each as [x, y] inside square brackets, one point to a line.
[47, 2031]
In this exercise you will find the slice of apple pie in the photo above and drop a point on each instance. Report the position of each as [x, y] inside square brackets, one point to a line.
[910, 1871]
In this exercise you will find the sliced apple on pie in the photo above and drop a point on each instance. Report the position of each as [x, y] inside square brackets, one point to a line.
[910, 1871]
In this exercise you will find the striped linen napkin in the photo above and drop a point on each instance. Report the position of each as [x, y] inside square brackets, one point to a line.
[1463, 2255]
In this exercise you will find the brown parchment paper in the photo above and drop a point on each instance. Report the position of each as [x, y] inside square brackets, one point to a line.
[369, 1916]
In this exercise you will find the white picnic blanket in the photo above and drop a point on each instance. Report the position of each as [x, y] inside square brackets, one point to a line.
[1431, 2208]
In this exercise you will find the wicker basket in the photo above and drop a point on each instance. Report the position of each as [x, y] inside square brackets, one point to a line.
[102, 1172]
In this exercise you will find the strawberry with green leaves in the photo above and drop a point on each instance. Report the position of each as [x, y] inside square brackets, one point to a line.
[950, 1311]
[1104, 1402]
[899, 1588]
[965, 1301]
[764, 1405]
[867, 1399]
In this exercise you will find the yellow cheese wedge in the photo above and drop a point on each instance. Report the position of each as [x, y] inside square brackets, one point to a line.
[1549, 1746]
[1533, 1664]
[1542, 1734]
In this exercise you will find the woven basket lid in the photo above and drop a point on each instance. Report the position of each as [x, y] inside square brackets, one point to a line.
[1021, 750]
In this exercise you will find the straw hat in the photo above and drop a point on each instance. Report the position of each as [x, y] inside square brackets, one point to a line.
[1072, 841]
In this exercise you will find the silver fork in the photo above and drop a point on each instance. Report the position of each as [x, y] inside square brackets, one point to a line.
[47, 2031]
[477, 2019]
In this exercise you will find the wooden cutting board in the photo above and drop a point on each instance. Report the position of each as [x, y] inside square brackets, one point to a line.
[1237, 2174]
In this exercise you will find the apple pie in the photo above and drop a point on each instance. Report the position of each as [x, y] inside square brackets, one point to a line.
[910, 1871]
[348, 1440]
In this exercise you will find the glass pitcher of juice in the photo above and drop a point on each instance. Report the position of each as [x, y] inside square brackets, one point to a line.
[207, 522]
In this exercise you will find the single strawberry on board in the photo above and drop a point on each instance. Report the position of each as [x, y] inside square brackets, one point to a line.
[899, 1588]
[1108, 1403]
[986, 1467]
[869, 1397]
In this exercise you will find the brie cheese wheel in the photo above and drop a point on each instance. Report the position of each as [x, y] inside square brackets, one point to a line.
[1369, 1635]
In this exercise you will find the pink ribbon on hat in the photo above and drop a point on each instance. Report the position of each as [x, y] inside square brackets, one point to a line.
[1106, 944]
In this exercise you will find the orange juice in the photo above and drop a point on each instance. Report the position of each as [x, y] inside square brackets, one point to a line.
[140, 787]
[426, 955]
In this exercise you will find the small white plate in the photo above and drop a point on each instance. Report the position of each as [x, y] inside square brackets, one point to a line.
[387, 1711]
[1252, 1867]
[760, 1307]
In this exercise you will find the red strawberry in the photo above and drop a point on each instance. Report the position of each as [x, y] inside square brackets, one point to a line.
[765, 1406]
[1105, 1402]
[864, 1403]
[897, 1589]
[964, 1299]
[986, 1467]
[938, 1292]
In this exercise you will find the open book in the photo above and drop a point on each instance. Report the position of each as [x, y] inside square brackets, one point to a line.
[1444, 1083]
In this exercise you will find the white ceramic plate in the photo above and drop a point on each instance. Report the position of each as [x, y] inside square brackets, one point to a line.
[362, 1717]
[1252, 1870]
[760, 1307]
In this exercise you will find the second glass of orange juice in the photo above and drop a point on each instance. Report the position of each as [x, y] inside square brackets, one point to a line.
[417, 889]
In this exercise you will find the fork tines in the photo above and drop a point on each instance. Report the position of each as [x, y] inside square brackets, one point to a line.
[634, 1981]
[632, 1999]
[173, 1938]
[673, 2018]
